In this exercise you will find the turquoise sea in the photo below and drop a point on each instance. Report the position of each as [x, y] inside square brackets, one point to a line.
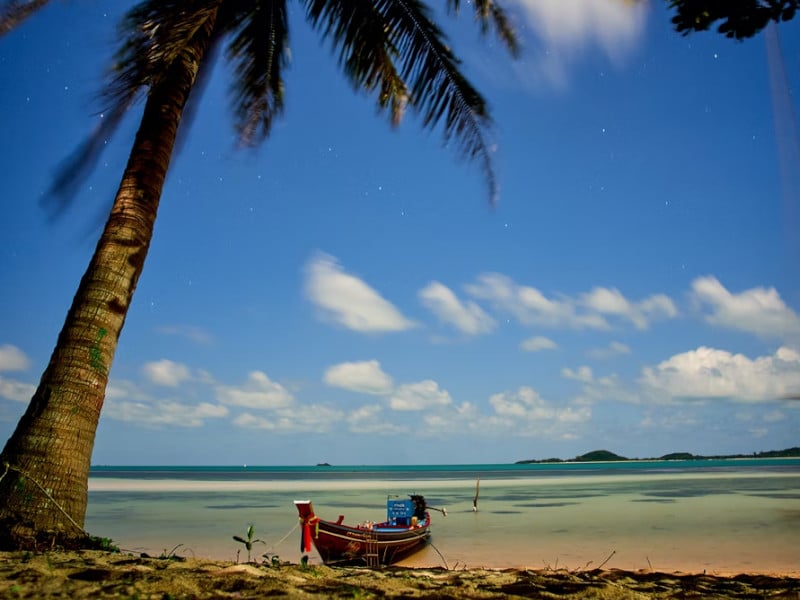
[723, 516]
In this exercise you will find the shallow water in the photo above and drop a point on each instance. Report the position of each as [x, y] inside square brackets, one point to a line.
[720, 519]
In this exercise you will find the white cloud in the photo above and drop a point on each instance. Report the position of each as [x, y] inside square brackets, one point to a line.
[527, 411]
[16, 390]
[609, 301]
[456, 419]
[419, 396]
[313, 419]
[166, 372]
[613, 349]
[590, 310]
[565, 30]
[125, 401]
[537, 343]
[529, 306]
[758, 310]
[13, 359]
[466, 317]
[583, 374]
[258, 393]
[707, 373]
[370, 419]
[347, 300]
[165, 413]
[365, 377]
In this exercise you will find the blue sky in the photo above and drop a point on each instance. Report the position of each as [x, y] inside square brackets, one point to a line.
[345, 293]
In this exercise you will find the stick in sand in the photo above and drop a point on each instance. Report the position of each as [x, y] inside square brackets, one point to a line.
[477, 491]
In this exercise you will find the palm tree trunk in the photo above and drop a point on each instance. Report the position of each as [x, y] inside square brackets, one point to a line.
[44, 467]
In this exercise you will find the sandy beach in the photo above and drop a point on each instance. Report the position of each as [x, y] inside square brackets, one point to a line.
[97, 574]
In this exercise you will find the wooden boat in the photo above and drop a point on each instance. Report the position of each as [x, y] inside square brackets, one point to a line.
[407, 530]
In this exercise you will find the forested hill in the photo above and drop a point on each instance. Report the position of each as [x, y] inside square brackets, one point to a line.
[607, 456]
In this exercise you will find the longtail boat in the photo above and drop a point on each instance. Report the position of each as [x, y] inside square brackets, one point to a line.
[407, 530]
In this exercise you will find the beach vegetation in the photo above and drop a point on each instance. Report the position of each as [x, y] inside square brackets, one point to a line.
[170, 554]
[102, 543]
[249, 540]
[393, 50]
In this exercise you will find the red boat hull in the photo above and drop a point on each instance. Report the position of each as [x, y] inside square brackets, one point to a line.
[374, 545]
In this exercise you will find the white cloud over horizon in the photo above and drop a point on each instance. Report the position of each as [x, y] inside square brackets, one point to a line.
[708, 373]
[609, 301]
[689, 379]
[365, 377]
[125, 401]
[467, 317]
[537, 343]
[259, 392]
[166, 373]
[760, 311]
[525, 412]
[590, 311]
[422, 395]
[613, 349]
[348, 301]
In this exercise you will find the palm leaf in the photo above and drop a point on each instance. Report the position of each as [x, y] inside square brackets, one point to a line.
[13, 12]
[258, 50]
[394, 44]
[154, 33]
[439, 91]
[358, 28]
[488, 11]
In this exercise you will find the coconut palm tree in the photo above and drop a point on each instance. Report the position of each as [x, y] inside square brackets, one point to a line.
[392, 48]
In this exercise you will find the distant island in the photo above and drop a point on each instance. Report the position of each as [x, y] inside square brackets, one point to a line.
[607, 456]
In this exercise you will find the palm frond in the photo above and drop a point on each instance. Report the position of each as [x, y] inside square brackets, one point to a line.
[439, 91]
[79, 164]
[489, 11]
[154, 32]
[366, 52]
[394, 44]
[13, 12]
[258, 51]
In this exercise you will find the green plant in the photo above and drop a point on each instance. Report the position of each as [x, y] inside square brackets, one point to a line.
[102, 543]
[249, 541]
[169, 555]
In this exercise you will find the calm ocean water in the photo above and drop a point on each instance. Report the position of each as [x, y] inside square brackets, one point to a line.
[717, 515]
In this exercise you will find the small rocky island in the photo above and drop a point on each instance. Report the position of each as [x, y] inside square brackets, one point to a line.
[608, 456]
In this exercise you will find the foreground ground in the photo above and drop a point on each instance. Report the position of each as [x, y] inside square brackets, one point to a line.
[98, 574]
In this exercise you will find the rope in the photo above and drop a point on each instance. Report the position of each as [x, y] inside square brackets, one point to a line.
[46, 493]
[283, 539]
[447, 568]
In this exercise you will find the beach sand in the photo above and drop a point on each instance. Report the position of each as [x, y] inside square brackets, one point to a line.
[97, 574]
